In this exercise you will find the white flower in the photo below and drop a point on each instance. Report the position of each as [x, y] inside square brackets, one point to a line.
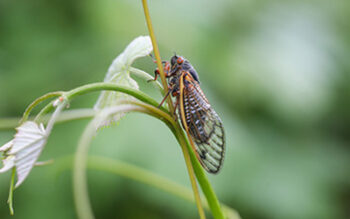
[119, 73]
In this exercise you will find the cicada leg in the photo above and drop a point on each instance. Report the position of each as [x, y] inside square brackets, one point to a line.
[166, 67]
[156, 73]
[170, 90]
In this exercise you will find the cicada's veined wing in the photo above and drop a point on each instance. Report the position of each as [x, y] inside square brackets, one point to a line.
[204, 126]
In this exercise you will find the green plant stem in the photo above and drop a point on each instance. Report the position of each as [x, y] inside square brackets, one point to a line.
[99, 87]
[10, 199]
[170, 104]
[133, 172]
[9, 123]
[149, 178]
[37, 101]
[203, 180]
[156, 53]
[81, 196]
[141, 175]
[179, 135]
[193, 180]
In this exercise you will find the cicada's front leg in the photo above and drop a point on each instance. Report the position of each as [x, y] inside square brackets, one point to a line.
[166, 67]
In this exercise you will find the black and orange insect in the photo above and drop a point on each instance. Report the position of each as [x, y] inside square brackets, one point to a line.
[197, 117]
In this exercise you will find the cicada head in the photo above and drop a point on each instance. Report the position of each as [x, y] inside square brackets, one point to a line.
[173, 60]
[179, 62]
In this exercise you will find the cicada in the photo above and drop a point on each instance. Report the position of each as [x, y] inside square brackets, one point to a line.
[198, 118]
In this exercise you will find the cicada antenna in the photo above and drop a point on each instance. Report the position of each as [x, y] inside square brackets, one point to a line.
[154, 60]
[152, 57]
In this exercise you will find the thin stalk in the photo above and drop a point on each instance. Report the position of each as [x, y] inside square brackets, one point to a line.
[80, 189]
[203, 180]
[10, 199]
[170, 105]
[99, 87]
[36, 102]
[138, 174]
[156, 53]
[165, 117]
[141, 175]
[69, 115]
[193, 181]
[9, 123]
[186, 150]
[81, 196]
[147, 177]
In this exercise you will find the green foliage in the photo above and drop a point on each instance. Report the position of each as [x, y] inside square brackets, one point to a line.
[287, 143]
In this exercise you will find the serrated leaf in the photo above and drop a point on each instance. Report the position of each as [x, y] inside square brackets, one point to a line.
[8, 163]
[24, 150]
[119, 73]
[6, 146]
[27, 145]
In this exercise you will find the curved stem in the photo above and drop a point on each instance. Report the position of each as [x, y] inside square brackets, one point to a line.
[99, 87]
[147, 177]
[81, 196]
[37, 101]
[139, 174]
[68, 115]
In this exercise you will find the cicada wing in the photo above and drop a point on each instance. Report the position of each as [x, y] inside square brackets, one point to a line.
[204, 126]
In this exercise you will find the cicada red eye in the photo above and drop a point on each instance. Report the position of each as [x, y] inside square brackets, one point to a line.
[180, 60]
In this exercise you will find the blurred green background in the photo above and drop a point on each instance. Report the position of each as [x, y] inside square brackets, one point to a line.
[277, 73]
